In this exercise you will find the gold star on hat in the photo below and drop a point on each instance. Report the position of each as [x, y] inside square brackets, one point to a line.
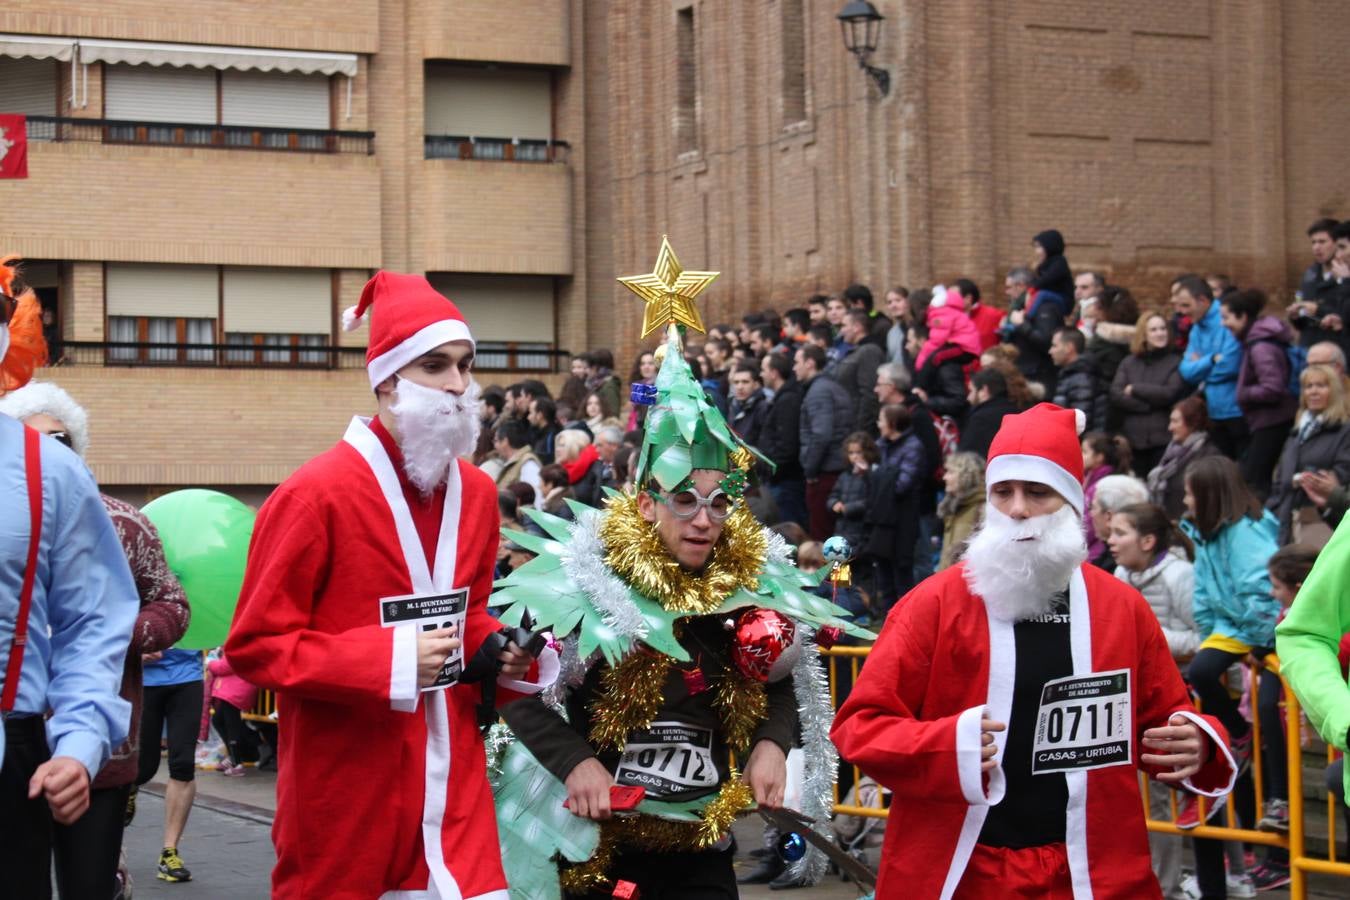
[669, 292]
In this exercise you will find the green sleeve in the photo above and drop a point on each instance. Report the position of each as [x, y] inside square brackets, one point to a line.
[1308, 639]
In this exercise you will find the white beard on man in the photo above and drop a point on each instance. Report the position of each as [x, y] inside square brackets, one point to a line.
[1019, 567]
[435, 428]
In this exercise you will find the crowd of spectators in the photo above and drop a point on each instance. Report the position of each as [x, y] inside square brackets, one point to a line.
[1216, 431]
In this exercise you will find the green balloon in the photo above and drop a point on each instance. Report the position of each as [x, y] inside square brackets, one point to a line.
[205, 535]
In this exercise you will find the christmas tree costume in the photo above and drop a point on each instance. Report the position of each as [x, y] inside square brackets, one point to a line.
[665, 671]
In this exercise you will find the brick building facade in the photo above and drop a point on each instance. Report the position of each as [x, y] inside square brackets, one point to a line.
[534, 152]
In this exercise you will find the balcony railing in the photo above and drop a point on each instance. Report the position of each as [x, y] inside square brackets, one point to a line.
[454, 146]
[492, 356]
[196, 134]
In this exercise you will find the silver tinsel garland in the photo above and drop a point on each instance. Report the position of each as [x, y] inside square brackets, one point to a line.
[811, 684]
[583, 559]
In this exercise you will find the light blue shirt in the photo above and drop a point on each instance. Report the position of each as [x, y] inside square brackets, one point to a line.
[1207, 340]
[84, 602]
[174, 667]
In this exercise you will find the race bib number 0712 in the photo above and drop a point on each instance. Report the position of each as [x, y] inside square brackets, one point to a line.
[1084, 722]
[668, 758]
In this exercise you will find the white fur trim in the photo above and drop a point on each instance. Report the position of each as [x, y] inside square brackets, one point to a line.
[939, 296]
[1221, 748]
[424, 341]
[350, 320]
[549, 667]
[969, 758]
[47, 398]
[1029, 467]
[1079, 421]
[1075, 813]
[403, 669]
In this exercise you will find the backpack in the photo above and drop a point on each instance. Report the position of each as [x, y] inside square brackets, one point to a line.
[1297, 357]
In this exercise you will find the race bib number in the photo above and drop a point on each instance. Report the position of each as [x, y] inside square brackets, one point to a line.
[1083, 723]
[430, 612]
[668, 758]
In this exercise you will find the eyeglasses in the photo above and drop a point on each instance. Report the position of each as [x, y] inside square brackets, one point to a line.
[686, 504]
[7, 307]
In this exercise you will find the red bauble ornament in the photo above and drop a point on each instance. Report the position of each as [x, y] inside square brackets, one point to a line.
[828, 636]
[765, 648]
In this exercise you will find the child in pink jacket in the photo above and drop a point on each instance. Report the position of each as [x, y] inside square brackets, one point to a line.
[948, 324]
[231, 696]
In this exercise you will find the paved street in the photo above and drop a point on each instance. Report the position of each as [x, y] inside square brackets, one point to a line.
[228, 846]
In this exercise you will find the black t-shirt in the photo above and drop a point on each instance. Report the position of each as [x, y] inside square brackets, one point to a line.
[1031, 813]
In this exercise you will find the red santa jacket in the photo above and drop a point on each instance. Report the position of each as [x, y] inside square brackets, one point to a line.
[912, 722]
[383, 791]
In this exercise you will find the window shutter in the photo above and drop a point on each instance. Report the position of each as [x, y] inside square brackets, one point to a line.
[28, 86]
[158, 94]
[278, 301]
[275, 100]
[162, 291]
[502, 103]
[502, 307]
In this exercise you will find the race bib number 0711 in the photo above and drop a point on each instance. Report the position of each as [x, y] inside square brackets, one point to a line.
[1084, 722]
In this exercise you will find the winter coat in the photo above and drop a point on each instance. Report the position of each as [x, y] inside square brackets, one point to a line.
[227, 686]
[957, 527]
[1263, 378]
[1167, 481]
[780, 434]
[1079, 387]
[943, 378]
[856, 372]
[983, 422]
[851, 489]
[1096, 543]
[949, 324]
[987, 319]
[896, 488]
[1032, 338]
[905, 457]
[1323, 290]
[1325, 447]
[827, 418]
[1210, 339]
[1157, 385]
[1053, 274]
[747, 418]
[589, 488]
[1105, 355]
[1169, 587]
[1232, 586]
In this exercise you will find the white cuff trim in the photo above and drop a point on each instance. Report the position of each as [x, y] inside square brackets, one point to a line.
[403, 670]
[1220, 746]
[969, 759]
[549, 667]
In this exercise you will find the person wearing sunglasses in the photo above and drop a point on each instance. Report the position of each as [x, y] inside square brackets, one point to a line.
[67, 606]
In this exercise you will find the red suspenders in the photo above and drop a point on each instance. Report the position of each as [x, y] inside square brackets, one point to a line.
[32, 460]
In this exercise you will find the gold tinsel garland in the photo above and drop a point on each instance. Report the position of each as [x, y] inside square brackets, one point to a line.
[635, 552]
[646, 832]
[629, 698]
[743, 705]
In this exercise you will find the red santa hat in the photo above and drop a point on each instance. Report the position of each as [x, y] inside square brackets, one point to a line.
[413, 319]
[1040, 445]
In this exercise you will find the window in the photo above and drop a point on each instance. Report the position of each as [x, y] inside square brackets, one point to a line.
[275, 100]
[473, 112]
[515, 311]
[28, 87]
[686, 82]
[275, 313]
[792, 21]
[181, 332]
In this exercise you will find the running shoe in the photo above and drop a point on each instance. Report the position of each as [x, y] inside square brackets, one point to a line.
[1276, 817]
[1270, 876]
[171, 866]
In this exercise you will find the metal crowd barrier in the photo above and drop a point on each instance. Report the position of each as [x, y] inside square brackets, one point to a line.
[844, 664]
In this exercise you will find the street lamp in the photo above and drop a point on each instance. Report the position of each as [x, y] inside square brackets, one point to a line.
[861, 24]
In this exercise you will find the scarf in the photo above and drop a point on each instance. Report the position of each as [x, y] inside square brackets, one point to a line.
[577, 468]
[1174, 460]
[1309, 424]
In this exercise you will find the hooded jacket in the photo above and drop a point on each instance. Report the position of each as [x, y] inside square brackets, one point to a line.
[1045, 313]
[1209, 339]
[1080, 388]
[949, 324]
[1263, 379]
[1053, 274]
[1232, 586]
[1168, 586]
[827, 418]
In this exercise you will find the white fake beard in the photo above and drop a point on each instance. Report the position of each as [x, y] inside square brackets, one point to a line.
[1019, 567]
[435, 428]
